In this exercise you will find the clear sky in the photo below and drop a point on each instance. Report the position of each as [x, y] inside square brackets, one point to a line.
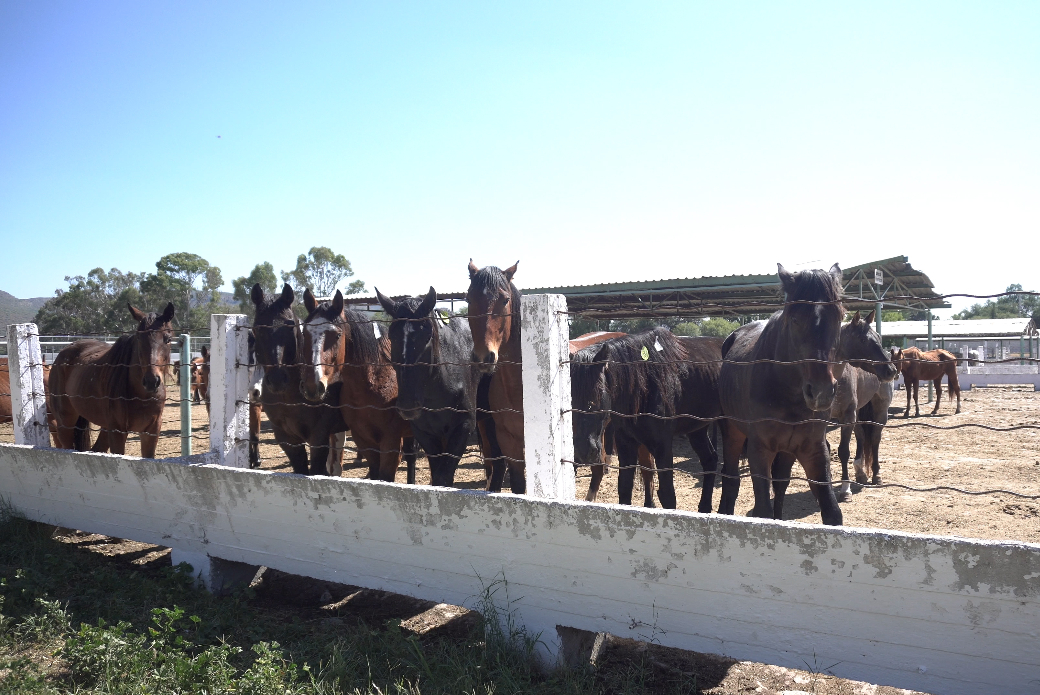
[594, 142]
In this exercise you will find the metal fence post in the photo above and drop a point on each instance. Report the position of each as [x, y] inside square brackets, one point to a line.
[929, 347]
[185, 394]
[548, 436]
[229, 389]
[28, 397]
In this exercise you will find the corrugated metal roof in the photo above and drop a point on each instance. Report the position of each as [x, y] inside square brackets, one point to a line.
[996, 328]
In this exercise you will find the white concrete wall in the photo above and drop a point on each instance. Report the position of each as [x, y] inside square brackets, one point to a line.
[940, 615]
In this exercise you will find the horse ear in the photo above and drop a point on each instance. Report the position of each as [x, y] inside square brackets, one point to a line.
[428, 303]
[308, 300]
[836, 273]
[257, 294]
[473, 270]
[510, 271]
[389, 305]
[287, 297]
[870, 316]
[135, 312]
[168, 312]
[856, 319]
[786, 278]
[337, 304]
[205, 352]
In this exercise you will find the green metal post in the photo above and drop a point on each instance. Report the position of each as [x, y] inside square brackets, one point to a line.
[185, 394]
[877, 317]
[929, 347]
[1021, 350]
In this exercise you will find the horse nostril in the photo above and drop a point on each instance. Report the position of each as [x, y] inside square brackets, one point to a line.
[491, 358]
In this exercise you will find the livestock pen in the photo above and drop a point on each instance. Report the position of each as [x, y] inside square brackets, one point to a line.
[933, 613]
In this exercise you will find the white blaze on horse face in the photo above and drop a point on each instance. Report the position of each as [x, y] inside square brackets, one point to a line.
[316, 332]
[256, 382]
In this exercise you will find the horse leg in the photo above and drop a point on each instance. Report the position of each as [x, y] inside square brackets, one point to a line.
[254, 434]
[709, 457]
[319, 457]
[818, 470]
[597, 478]
[628, 456]
[732, 444]
[917, 402]
[646, 472]
[843, 453]
[116, 441]
[410, 449]
[334, 462]
[150, 438]
[909, 386]
[512, 442]
[494, 464]
[760, 461]
[389, 457]
[938, 394]
[455, 449]
[783, 462]
[101, 444]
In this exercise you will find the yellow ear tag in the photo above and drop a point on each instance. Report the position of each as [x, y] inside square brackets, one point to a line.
[644, 353]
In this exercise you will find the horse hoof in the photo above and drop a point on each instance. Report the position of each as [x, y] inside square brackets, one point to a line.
[844, 496]
[877, 480]
[861, 478]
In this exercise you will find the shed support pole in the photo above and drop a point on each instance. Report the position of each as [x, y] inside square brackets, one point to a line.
[549, 445]
[930, 348]
[229, 389]
[1021, 350]
[28, 397]
[185, 394]
[877, 317]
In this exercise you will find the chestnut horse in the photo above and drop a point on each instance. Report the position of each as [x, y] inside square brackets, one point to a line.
[120, 388]
[930, 366]
[297, 423]
[777, 383]
[494, 320]
[340, 346]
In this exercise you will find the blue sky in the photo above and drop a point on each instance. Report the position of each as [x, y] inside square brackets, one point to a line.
[594, 142]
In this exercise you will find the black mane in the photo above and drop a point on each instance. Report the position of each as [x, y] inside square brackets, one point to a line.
[651, 385]
[363, 346]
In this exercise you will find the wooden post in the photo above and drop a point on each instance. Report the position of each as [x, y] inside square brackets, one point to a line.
[229, 389]
[548, 434]
[185, 394]
[28, 397]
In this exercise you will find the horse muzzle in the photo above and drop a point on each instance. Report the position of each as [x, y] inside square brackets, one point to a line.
[818, 397]
[487, 364]
[275, 381]
[152, 382]
[315, 393]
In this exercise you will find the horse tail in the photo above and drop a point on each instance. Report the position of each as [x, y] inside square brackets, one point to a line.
[951, 377]
[81, 434]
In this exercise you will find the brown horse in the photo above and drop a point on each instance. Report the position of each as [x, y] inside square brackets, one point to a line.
[119, 388]
[340, 346]
[646, 461]
[930, 366]
[494, 321]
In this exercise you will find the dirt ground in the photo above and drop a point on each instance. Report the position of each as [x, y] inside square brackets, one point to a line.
[912, 454]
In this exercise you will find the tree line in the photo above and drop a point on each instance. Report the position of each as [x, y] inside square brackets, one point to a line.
[95, 303]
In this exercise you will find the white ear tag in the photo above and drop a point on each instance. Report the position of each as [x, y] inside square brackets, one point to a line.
[375, 330]
[658, 346]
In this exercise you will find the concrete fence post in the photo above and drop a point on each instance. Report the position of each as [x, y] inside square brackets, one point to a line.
[28, 397]
[185, 377]
[549, 438]
[229, 389]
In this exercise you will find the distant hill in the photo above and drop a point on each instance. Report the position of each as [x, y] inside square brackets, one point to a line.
[14, 310]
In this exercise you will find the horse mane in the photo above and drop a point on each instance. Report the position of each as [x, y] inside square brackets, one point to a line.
[584, 380]
[491, 279]
[117, 363]
[363, 347]
[635, 383]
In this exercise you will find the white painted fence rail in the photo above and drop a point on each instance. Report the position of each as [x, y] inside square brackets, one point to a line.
[941, 615]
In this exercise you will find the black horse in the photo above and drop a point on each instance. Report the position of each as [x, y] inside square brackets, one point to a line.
[644, 384]
[777, 385]
[296, 423]
[436, 381]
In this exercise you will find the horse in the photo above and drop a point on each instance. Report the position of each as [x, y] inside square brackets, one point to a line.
[646, 461]
[861, 387]
[6, 410]
[120, 388]
[929, 366]
[256, 405]
[195, 385]
[342, 345]
[296, 422]
[777, 381]
[437, 384]
[647, 382]
[493, 303]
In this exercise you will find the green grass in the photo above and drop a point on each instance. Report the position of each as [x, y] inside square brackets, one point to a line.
[75, 621]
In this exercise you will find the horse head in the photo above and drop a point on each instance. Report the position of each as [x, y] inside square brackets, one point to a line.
[591, 403]
[860, 345]
[413, 348]
[323, 345]
[275, 330]
[151, 345]
[810, 330]
[494, 311]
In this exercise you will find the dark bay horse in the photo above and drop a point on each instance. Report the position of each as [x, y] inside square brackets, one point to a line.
[340, 346]
[929, 366]
[861, 392]
[777, 385]
[648, 381]
[120, 388]
[296, 422]
[436, 382]
[494, 321]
